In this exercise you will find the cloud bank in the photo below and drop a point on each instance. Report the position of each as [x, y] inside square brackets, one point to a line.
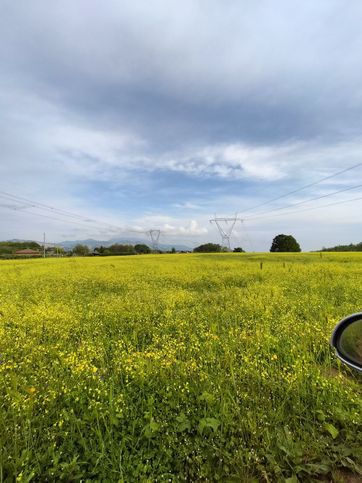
[175, 111]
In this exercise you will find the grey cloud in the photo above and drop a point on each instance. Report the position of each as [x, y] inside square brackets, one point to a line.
[103, 91]
[250, 71]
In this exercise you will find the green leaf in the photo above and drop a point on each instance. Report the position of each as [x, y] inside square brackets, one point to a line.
[183, 423]
[211, 423]
[151, 428]
[292, 479]
[154, 426]
[207, 397]
[321, 416]
[331, 430]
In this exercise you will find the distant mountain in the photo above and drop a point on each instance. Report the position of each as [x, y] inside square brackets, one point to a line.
[90, 242]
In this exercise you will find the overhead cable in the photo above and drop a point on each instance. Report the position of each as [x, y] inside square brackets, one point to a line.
[304, 187]
[312, 208]
[305, 201]
[60, 212]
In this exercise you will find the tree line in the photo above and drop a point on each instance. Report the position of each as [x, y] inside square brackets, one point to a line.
[281, 243]
[115, 249]
[357, 247]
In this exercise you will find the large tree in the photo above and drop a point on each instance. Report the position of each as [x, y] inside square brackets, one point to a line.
[142, 248]
[81, 250]
[285, 243]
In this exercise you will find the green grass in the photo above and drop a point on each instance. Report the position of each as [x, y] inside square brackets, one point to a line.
[178, 367]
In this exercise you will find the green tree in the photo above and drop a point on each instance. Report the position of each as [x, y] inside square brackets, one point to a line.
[81, 250]
[8, 247]
[238, 250]
[100, 250]
[285, 243]
[208, 248]
[142, 248]
[344, 248]
[120, 249]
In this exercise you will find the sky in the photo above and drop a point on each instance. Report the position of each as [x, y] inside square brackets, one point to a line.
[126, 116]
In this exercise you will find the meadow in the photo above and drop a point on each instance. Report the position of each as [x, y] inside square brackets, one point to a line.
[178, 368]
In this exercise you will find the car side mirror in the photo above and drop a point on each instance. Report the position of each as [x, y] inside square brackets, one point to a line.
[347, 341]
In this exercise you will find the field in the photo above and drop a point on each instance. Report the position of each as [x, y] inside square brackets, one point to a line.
[178, 367]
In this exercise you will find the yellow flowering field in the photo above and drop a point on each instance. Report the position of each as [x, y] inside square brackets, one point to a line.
[178, 368]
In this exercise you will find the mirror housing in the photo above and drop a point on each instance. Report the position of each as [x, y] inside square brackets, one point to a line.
[347, 341]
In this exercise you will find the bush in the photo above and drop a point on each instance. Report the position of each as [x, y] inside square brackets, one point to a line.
[208, 248]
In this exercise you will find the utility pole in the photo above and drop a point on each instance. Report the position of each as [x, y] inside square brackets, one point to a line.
[44, 246]
[225, 227]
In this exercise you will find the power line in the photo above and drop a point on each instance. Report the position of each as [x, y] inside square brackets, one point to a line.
[304, 187]
[42, 206]
[315, 207]
[35, 204]
[305, 201]
[76, 219]
[248, 237]
[60, 212]
[46, 216]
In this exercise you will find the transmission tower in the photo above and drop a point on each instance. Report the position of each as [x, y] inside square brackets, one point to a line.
[154, 237]
[225, 227]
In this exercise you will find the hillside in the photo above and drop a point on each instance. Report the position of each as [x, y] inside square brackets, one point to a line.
[10, 247]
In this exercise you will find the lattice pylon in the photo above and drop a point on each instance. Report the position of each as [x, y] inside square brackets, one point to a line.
[154, 237]
[225, 225]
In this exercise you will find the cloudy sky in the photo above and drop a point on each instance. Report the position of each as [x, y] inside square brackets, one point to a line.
[131, 115]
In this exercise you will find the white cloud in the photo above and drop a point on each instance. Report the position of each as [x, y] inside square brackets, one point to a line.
[265, 163]
[169, 225]
[110, 157]
[187, 205]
